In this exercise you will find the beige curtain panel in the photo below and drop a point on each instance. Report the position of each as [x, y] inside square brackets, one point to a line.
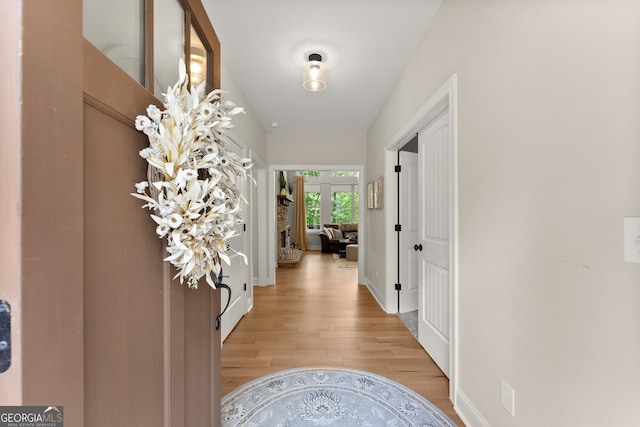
[300, 216]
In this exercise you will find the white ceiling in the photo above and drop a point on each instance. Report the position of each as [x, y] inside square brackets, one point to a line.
[365, 45]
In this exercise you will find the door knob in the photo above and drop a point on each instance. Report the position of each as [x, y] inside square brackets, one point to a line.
[417, 247]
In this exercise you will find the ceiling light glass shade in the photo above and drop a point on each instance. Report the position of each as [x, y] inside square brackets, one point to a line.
[313, 76]
[197, 62]
[198, 71]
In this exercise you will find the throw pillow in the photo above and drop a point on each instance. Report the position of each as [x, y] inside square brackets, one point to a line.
[329, 233]
[337, 234]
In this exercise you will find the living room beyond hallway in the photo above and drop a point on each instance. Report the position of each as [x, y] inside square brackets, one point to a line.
[316, 315]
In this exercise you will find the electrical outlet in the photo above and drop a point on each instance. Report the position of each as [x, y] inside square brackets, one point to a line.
[508, 398]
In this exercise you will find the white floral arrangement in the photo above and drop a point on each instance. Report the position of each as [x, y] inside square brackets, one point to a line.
[192, 186]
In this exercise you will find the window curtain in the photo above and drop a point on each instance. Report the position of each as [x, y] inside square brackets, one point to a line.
[300, 216]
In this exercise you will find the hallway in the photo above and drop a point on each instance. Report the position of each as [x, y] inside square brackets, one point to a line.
[317, 315]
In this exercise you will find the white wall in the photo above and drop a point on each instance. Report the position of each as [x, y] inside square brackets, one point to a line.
[250, 131]
[246, 125]
[316, 148]
[549, 164]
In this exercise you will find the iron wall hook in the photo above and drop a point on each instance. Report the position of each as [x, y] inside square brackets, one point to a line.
[219, 317]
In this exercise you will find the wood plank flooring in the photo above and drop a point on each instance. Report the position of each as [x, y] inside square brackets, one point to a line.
[317, 315]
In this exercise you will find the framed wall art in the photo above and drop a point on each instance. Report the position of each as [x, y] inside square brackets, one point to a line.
[375, 195]
[378, 194]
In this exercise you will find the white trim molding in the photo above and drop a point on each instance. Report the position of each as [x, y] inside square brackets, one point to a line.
[260, 231]
[468, 412]
[374, 292]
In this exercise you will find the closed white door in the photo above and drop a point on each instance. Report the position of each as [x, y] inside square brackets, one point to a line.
[236, 274]
[434, 182]
[409, 234]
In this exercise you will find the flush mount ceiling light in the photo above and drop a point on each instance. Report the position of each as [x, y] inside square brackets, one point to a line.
[313, 76]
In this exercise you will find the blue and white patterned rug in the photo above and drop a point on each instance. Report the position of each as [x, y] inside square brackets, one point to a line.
[328, 397]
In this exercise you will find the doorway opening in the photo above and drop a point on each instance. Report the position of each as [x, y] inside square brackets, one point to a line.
[407, 217]
[435, 123]
[334, 194]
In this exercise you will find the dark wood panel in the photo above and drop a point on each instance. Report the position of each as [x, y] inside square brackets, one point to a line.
[124, 357]
[111, 90]
[48, 312]
[151, 353]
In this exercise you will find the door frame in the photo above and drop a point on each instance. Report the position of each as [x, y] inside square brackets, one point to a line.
[258, 226]
[247, 295]
[272, 219]
[443, 98]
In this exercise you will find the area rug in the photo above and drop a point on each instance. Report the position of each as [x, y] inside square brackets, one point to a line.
[344, 263]
[328, 397]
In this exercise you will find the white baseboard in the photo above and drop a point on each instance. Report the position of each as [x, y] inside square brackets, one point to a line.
[263, 281]
[263, 284]
[373, 291]
[468, 412]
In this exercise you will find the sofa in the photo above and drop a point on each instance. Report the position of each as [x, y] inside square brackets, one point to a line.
[331, 235]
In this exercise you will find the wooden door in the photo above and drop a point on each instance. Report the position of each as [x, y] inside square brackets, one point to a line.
[150, 347]
[435, 160]
[109, 336]
[409, 234]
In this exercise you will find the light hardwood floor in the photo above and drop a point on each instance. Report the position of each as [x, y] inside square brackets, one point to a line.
[317, 315]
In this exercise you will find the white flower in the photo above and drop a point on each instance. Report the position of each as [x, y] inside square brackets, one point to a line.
[190, 174]
[174, 220]
[141, 186]
[162, 230]
[142, 122]
[206, 111]
[154, 113]
[146, 152]
[196, 200]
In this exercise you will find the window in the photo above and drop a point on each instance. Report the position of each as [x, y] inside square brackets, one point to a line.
[168, 40]
[344, 206]
[343, 173]
[312, 201]
[146, 42]
[197, 60]
[331, 197]
[116, 27]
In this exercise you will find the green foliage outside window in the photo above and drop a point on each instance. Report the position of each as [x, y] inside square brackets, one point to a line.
[344, 204]
[343, 209]
[312, 202]
[343, 173]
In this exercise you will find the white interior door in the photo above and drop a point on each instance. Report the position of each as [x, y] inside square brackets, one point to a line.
[434, 182]
[409, 234]
[236, 274]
